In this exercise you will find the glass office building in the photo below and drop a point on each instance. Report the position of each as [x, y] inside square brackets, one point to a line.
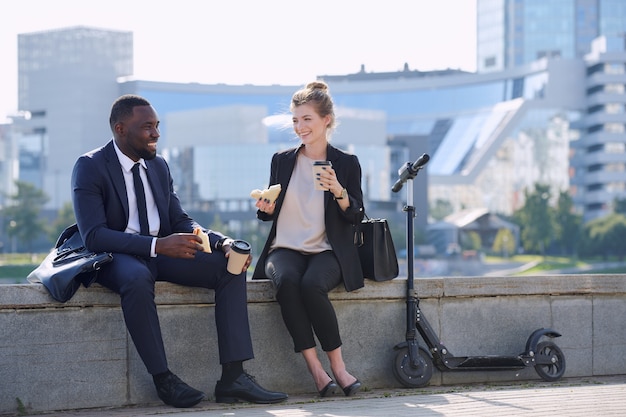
[516, 32]
[490, 136]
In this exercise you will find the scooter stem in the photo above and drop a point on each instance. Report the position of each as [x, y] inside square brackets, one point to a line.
[406, 175]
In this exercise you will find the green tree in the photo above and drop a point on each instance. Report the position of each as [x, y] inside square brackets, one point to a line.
[65, 217]
[619, 206]
[536, 220]
[21, 216]
[606, 235]
[504, 242]
[614, 236]
[567, 224]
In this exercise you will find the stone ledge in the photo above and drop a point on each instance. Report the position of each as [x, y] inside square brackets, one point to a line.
[83, 345]
[261, 291]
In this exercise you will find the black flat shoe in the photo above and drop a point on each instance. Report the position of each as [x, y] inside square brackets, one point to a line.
[352, 388]
[329, 389]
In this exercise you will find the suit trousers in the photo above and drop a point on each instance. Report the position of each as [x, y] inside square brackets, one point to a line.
[302, 283]
[134, 279]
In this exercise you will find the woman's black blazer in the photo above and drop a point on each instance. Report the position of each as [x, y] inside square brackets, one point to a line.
[339, 224]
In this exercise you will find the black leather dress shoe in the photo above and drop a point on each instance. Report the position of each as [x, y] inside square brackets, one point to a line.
[172, 391]
[245, 388]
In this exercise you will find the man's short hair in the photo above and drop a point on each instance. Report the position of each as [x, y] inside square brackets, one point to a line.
[123, 108]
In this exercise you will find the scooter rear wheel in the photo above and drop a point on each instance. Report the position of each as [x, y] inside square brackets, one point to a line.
[556, 369]
[412, 376]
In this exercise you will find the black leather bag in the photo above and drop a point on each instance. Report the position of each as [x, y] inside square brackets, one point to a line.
[68, 265]
[376, 250]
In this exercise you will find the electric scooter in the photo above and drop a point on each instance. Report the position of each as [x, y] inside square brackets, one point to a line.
[413, 364]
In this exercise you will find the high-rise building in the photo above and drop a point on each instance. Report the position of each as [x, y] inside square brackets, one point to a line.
[598, 158]
[67, 80]
[511, 33]
[8, 164]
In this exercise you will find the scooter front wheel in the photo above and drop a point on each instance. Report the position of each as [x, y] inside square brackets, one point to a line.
[409, 375]
[555, 370]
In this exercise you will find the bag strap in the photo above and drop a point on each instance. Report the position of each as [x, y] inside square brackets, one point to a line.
[65, 256]
[66, 234]
[358, 234]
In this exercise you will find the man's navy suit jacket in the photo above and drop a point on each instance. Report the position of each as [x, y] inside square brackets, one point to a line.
[101, 203]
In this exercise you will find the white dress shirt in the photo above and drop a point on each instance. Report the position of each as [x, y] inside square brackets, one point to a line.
[154, 220]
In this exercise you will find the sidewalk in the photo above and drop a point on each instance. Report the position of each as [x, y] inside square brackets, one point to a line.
[570, 397]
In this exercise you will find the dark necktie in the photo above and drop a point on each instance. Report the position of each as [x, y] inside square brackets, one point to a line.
[141, 201]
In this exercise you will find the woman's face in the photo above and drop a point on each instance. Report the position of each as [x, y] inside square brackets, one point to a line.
[308, 125]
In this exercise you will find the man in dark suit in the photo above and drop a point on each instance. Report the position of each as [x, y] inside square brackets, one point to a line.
[151, 237]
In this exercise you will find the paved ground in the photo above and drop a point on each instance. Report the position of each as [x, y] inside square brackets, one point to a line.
[570, 397]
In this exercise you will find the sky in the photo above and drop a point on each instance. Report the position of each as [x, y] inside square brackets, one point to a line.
[260, 42]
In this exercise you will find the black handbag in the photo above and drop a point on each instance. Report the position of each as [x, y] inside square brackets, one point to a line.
[68, 265]
[376, 250]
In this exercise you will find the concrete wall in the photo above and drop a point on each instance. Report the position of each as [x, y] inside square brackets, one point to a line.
[78, 355]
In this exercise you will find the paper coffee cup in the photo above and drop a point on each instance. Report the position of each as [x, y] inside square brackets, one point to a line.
[239, 251]
[319, 166]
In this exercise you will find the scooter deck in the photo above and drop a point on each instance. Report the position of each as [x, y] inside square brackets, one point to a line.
[485, 362]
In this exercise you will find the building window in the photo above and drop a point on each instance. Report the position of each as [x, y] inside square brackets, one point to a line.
[614, 108]
[595, 148]
[594, 129]
[594, 68]
[555, 53]
[594, 109]
[595, 89]
[614, 88]
[615, 167]
[615, 187]
[613, 147]
[614, 127]
[37, 113]
[614, 68]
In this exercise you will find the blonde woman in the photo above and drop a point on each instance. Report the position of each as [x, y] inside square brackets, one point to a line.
[310, 248]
